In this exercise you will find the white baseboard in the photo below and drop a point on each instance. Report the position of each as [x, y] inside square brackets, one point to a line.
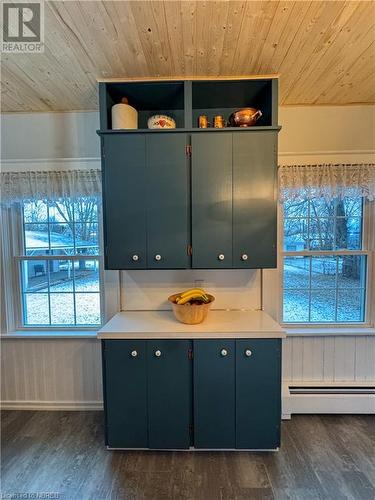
[326, 403]
[52, 405]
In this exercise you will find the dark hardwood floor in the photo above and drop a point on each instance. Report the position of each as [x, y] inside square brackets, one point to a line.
[327, 457]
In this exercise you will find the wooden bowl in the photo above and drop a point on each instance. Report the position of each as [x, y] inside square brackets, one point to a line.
[190, 314]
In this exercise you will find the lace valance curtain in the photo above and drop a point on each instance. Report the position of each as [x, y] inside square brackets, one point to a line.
[327, 181]
[23, 186]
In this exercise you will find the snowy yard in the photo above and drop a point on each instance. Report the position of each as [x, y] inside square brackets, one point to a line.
[323, 295]
[87, 303]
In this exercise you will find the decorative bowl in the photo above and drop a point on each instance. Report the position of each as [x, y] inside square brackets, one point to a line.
[161, 121]
[245, 117]
[191, 314]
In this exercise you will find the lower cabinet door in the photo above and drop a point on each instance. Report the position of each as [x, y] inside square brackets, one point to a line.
[125, 393]
[169, 393]
[258, 393]
[214, 394]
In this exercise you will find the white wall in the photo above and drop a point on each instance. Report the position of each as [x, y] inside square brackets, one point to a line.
[66, 373]
[327, 128]
[49, 135]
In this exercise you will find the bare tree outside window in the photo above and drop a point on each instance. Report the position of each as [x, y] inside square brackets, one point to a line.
[324, 264]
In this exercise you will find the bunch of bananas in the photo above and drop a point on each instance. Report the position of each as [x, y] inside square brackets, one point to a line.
[192, 296]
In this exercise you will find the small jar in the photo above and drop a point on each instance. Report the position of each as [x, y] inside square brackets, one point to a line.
[203, 121]
[219, 121]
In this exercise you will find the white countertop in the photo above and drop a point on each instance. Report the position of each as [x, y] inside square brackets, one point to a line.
[163, 325]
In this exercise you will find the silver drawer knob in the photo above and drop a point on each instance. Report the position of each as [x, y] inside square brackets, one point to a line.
[221, 256]
[135, 257]
[223, 352]
[244, 256]
[248, 353]
[134, 354]
[158, 353]
[157, 257]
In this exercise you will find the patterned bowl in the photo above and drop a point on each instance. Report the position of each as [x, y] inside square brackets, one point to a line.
[161, 121]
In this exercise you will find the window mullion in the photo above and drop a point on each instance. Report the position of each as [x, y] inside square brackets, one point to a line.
[336, 287]
[74, 292]
[49, 292]
[310, 271]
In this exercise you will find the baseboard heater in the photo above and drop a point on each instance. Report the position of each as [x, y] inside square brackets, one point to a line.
[300, 389]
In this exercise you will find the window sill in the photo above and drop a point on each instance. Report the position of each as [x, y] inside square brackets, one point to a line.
[329, 331]
[50, 334]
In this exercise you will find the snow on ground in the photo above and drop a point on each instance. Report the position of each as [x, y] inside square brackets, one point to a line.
[296, 301]
[62, 304]
[323, 297]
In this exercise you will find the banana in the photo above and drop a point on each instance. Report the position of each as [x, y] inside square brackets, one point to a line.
[191, 296]
[188, 292]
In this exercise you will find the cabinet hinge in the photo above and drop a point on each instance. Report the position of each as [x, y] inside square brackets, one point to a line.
[189, 250]
[188, 150]
[190, 353]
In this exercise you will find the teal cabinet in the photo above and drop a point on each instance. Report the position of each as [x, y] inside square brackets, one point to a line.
[147, 393]
[234, 212]
[190, 197]
[166, 198]
[258, 393]
[213, 208]
[169, 394]
[125, 393]
[211, 200]
[206, 394]
[124, 208]
[214, 394]
[145, 199]
[254, 200]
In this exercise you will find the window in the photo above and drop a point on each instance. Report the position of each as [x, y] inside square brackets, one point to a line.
[325, 260]
[60, 265]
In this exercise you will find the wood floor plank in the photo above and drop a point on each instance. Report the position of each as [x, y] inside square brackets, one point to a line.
[321, 457]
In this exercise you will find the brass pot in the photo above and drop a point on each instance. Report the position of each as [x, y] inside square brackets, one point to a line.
[245, 117]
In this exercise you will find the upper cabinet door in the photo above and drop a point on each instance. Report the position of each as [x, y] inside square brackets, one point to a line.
[167, 201]
[212, 200]
[254, 199]
[124, 179]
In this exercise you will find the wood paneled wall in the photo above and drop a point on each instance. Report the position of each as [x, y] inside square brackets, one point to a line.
[49, 373]
[65, 373]
[329, 359]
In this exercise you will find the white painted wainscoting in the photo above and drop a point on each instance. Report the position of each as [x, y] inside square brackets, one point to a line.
[66, 373]
[51, 374]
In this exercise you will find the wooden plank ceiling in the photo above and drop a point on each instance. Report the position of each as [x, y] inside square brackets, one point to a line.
[323, 50]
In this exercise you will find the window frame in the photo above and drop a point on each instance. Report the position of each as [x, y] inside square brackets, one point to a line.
[20, 256]
[368, 244]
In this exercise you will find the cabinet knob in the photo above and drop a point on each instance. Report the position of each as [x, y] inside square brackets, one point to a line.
[223, 352]
[221, 256]
[135, 257]
[157, 257]
[244, 256]
[134, 354]
[248, 353]
[158, 353]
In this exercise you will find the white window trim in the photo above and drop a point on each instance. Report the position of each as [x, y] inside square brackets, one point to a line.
[368, 231]
[14, 316]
